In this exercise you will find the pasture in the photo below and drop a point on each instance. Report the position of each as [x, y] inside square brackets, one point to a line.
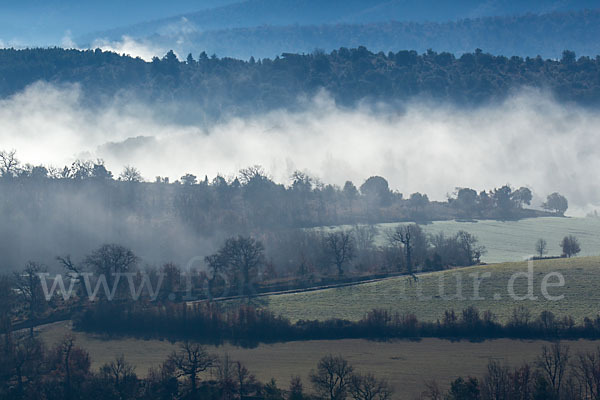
[406, 364]
[512, 240]
[437, 292]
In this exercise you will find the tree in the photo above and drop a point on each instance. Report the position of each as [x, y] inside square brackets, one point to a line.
[557, 203]
[172, 277]
[70, 366]
[466, 201]
[350, 191]
[587, 372]
[553, 363]
[131, 174]
[24, 361]
[241, 257]
[412, 239]
[226, 378]
[271, 391]
[9, 165]
[30, 290]
[245, 381]
[340, 246]
[462, 389]
[418, 201]
[376, 189]
[190, 361]
[368, 387]
[522, 196]
[469, 244]
[541, 247]
[503, 200]
[120, 377]
[189, 179]
[296, 390]
[100, 172]
[332, 377]
[570, 246]
[253, 173]
[110, 260]
[364, 240]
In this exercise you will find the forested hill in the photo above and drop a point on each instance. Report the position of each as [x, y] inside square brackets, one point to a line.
[253, 13]
[524, 35]
[349, 75]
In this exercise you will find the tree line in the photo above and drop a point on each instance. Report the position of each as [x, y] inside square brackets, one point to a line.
[250, 325]
[220, 86]
[249, 201]
[31, 370]
[556, 374]
[242, 267]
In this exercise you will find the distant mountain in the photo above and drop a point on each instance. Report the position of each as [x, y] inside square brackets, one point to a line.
[529, 35]
[255, 13]
[47, 22]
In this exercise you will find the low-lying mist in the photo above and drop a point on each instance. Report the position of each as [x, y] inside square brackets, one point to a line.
[528, 140]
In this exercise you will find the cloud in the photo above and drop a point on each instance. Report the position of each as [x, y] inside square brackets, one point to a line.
[143, 49]
[529, 140]
[182, 27]
[67, 41]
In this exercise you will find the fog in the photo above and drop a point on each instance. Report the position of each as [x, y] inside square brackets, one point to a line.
[143, 49]
[529, 140]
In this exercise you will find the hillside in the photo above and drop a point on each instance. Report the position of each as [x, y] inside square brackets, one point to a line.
[528, 35]
[511, 240]
[254, 13]
[224, 85]
[43, 23]
[582, 277]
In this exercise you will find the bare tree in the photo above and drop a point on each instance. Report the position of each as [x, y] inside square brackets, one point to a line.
[111, 259]
[496, 383]
[364, 235]
[553, 363]
[190, 361]
[29, 288]
[121, 376]
[70, 365]
[403, 234]
[587, 373]
[341, 249]
[9, 164]
[541, 247]
[244, 379]
[226, 378]
[255, 172]
[131, 174]
[368, 387]
[241, 257]
[25, 360]
[432, 391]
[332, 377]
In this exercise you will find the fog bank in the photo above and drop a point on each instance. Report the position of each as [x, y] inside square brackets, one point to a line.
[528, 140]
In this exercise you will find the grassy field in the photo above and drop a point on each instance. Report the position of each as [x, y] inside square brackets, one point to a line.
[515, 240]
[581, 293]
[407, 365]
